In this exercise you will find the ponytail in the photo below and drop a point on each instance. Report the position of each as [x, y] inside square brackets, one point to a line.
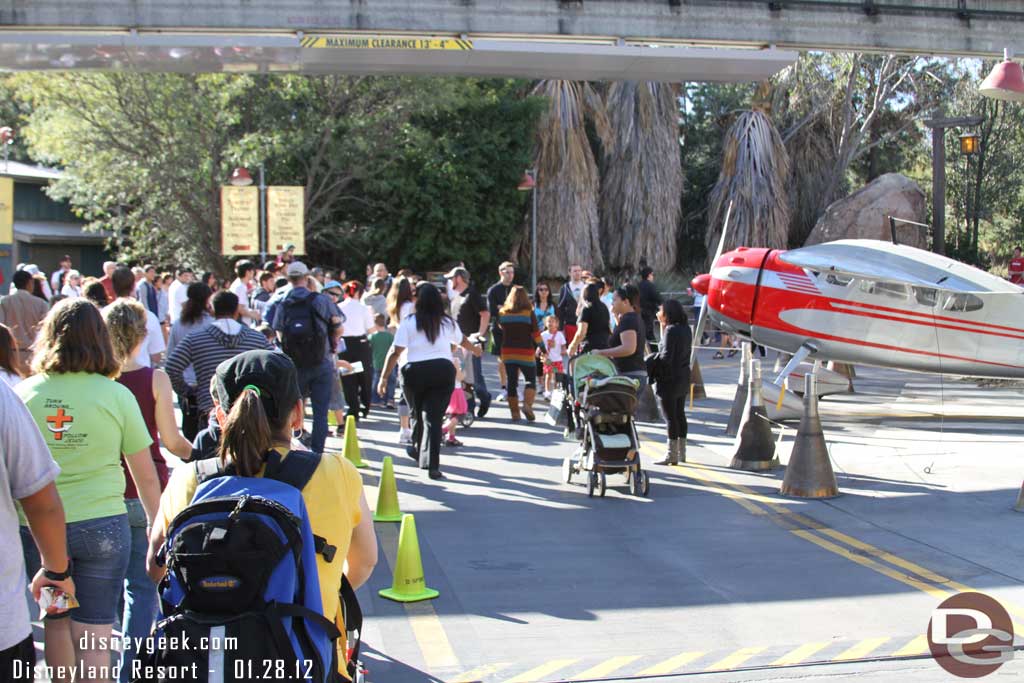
[247, 434]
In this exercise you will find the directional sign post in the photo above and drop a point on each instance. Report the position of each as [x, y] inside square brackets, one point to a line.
[239, 220]
[286, 218]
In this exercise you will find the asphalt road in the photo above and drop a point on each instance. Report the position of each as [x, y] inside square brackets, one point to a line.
[713, 571]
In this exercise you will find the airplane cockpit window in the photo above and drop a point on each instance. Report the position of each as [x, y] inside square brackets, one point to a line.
[892, 290]
[962, 302]
[838, 280]
[926, 296]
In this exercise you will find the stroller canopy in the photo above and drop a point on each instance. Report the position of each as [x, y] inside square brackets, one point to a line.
[589, 366]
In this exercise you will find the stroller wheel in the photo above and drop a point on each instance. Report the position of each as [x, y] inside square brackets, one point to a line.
[591, 484]
[602, 484]
[467, 420]
[567, 470]
[646, 488]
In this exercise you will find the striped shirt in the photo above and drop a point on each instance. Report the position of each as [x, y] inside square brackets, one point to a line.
[520, 336]
[206, 348]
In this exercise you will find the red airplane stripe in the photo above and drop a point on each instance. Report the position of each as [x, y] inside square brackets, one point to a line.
[888, 347]
[920, 315]
[927, 322]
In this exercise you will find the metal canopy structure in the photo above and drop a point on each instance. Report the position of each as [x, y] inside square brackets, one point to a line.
[376, 53]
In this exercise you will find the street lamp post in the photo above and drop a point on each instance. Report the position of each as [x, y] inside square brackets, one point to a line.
[938, 126]
[970, 144]
[240, 178]
[529, 183]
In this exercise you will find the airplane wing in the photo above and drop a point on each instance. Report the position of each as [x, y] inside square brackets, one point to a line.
[885, 262]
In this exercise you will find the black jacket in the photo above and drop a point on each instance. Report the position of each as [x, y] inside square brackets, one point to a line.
[669, 369]
[566, 307]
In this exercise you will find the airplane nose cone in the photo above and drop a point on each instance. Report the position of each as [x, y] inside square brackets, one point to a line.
[701, 283]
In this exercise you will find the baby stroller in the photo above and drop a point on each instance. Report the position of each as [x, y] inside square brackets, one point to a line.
[604, 406]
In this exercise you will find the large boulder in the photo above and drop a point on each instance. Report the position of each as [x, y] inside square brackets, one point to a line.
[864, 214]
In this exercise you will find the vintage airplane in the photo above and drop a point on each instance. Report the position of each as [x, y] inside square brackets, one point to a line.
[869, 302]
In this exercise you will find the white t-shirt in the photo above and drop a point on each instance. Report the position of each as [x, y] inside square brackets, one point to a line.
[177, 295]
[555, 344]
[26, 467]
[241, 290]
[70, 291]
[154, 343]
[358, 317]
[419, 348]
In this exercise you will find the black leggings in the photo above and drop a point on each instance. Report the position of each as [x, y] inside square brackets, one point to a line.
[427, 386]
[357, 387]
[25, 654]
[512, 371]
[673, 409]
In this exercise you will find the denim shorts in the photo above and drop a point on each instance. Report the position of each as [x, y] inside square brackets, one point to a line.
[99, 549]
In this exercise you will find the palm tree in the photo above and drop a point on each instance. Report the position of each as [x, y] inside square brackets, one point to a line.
[642, 183]
[812, 159]
[755, 168]
[568, 230]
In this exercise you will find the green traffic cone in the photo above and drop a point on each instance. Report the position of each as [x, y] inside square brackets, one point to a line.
[352, 443]
[408, 584]
[387, 495]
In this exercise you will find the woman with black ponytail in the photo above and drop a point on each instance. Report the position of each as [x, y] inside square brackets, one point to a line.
[259, 390]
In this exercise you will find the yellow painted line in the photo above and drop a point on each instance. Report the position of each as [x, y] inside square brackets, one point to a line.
[735, 659]
[936, 593]
[606, 667]
[918, 646]
[861, 649]
[800, 654]
[426, 625]
[539, 672]
[479, 672]
[672, 664]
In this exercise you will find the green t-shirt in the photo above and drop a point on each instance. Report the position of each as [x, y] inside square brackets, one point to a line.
[380, 342]
[87, 421]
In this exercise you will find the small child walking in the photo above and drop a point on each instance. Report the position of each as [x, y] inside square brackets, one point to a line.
[380, 343]
[457, 407]
[554, 348]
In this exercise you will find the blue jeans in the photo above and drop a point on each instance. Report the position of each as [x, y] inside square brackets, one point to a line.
[390, 398]
[315, 383]
[99, 550]
[140, 596]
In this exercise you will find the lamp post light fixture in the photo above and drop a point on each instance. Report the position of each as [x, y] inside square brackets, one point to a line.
[240, 177]
[970, 144]
[528, 183]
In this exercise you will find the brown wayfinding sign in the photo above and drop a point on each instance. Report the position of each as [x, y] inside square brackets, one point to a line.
[385, 43]
[239, 220]
[286, 218]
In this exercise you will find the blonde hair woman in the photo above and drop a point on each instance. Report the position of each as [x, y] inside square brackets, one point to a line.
[126, 320]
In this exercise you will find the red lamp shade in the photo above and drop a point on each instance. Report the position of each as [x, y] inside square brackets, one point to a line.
[527, 183]
[1005, 82]
[240, 177]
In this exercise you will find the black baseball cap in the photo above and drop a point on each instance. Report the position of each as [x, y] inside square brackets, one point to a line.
[272, 373]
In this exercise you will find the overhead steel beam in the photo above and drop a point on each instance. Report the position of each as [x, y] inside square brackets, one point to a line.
[941, 27]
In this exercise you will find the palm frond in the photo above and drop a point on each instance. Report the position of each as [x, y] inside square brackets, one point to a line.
[755, 169]
[642, 185]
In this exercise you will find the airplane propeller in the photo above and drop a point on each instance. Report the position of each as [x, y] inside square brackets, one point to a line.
[702, 317]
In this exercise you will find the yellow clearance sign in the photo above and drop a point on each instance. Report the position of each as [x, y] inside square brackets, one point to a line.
[6, 210]
[239, 220]
[386, 43]
[286, 218]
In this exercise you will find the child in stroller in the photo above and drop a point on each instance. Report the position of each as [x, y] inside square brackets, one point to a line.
[602, 411]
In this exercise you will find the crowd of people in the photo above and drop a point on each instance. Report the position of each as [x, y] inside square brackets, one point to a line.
[92, 369]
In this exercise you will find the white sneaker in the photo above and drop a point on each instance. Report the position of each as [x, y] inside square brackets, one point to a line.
[405, 437]
[502, 396]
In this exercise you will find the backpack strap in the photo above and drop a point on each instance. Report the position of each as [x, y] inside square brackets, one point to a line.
[352, 615]
[211, 468]
[296, 470]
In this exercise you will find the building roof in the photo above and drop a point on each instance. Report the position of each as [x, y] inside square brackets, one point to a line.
[20, 171]
[52, 232]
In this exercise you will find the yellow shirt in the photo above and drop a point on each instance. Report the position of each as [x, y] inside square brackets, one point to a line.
[332, 501]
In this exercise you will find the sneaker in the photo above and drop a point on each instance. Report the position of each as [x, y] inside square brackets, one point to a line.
[546, 396]
[405, 437]
[502, 396]
[306, 439]
[435, 474]
[453, 442]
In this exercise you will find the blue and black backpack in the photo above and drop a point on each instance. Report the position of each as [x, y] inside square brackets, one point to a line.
[242, 578]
